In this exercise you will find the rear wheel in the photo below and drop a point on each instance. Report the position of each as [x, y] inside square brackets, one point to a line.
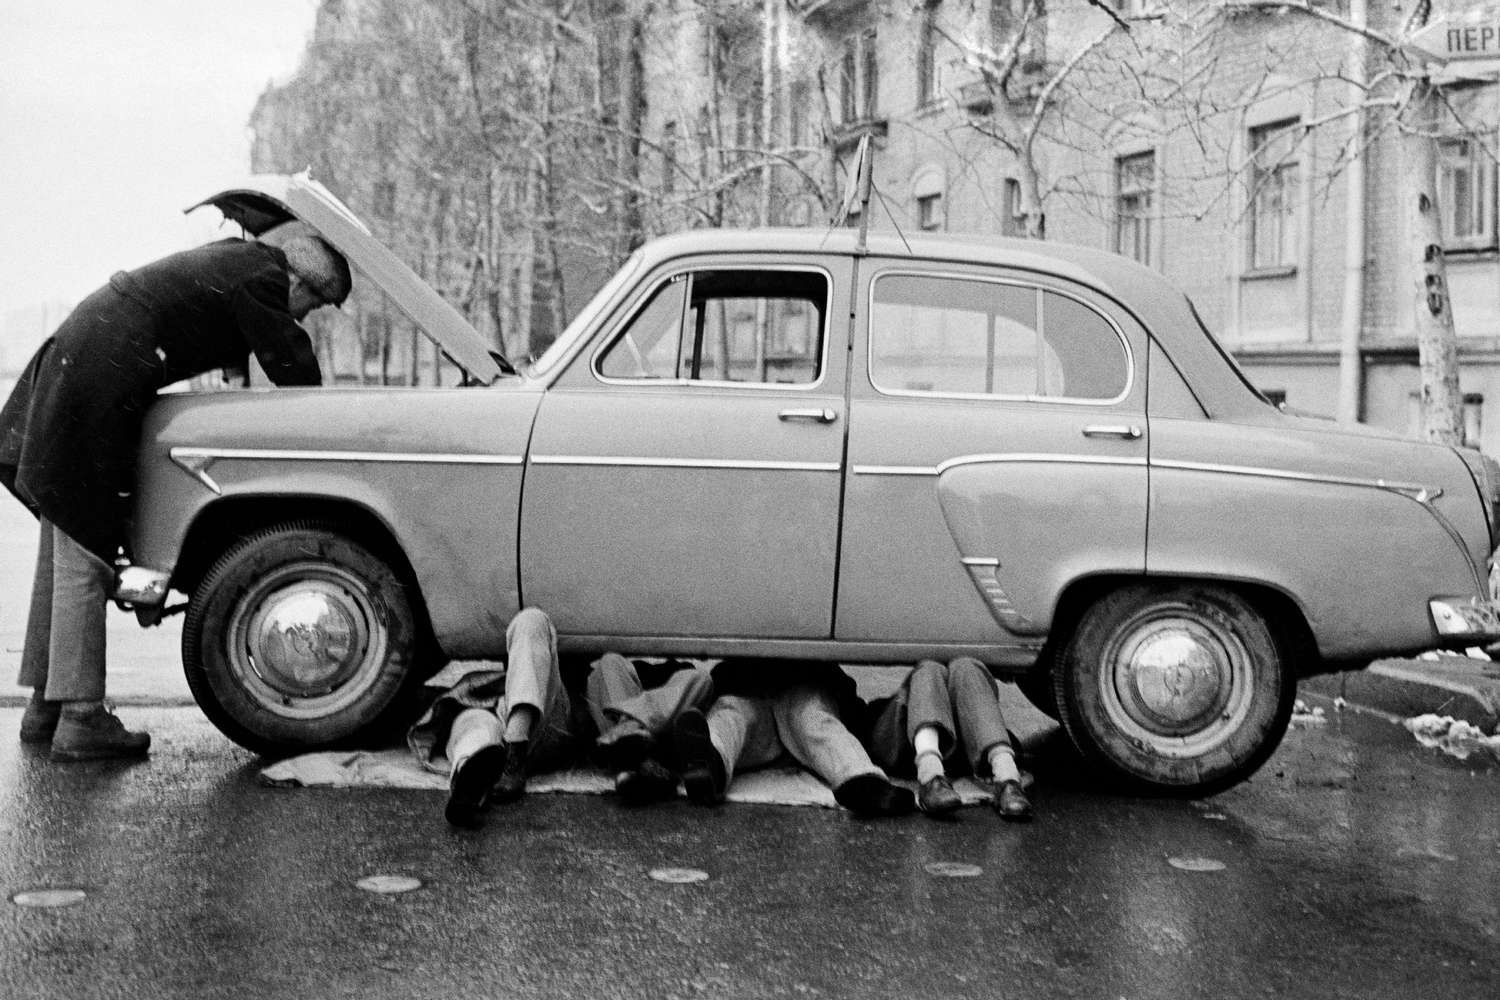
[1179, 688]
[299, 638]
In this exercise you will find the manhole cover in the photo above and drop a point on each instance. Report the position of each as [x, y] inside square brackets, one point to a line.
[679, 876]
[388, 884]
[47, 899]
[1196, 864]
[953, 869]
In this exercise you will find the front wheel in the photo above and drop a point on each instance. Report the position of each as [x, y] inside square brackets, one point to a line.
[1178, 688]
[298, 638]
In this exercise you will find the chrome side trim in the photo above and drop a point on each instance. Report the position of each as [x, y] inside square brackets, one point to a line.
[184, 455]
[979, 561]
[1038, 457]
[684, 463]
[1416, 491]
[894, 470]
[197, 461]
[997, 459]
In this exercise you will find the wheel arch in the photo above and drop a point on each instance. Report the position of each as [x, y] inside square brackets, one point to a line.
[1285, 615]
[225, 522]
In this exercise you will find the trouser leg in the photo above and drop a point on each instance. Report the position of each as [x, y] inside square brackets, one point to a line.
[39, 617]
[75, 650]
[976, 705]
[808, 723]
[930, 704]
[613, 681]
[532, 680]
[743, 731]
[472, 730]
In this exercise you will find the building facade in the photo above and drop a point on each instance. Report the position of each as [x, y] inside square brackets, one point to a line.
[1250, 154]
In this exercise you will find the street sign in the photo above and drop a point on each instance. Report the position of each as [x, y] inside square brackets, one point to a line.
[1459, 40]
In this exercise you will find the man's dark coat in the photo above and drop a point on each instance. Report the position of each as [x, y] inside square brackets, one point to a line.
[70, 430]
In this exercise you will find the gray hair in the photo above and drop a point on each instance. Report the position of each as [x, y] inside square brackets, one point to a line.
[311, 258]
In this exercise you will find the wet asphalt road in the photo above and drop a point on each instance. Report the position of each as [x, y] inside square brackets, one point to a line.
[1354, 865]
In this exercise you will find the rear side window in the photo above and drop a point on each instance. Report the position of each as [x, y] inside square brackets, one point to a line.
[960, 336]
[728, 326]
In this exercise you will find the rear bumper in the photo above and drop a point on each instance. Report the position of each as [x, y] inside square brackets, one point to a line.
[1469, 619]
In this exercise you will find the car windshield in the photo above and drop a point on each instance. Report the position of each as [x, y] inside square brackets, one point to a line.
[1228, 358]
[584, 320]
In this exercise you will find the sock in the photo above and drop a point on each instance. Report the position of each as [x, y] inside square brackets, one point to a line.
[927, 740]
[81, 709]
[1003, 764]
[929, 766]
[519, 722]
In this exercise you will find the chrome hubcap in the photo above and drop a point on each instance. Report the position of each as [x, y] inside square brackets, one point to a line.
[306, 640]
[1177, 683]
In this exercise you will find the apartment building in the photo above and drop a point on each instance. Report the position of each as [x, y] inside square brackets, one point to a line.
[1216, 143]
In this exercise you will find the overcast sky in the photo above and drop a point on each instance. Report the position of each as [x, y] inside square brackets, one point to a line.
[115, 115]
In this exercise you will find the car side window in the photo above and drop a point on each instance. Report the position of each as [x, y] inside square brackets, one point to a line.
[946, 335]
[734, 326]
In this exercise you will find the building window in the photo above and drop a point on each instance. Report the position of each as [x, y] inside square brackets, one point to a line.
[1135, 177]
[1473, 418]
[930, 211]
[1012, 221]
[859, 78]
[1466, 193]
[1273, 194]
[927, 88]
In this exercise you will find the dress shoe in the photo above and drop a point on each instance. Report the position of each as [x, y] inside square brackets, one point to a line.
[650, 782]
[937, 797]
[1011, 802]
[39, 721]
[95, 733]
[511, 784]
[874, 795]
[469, 788]
[623, 746]
[703, 773]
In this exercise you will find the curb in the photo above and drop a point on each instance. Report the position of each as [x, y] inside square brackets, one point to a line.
[1454, 686]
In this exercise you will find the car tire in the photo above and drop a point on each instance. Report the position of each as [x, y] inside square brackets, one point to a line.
[1176, 688]
[300, 638]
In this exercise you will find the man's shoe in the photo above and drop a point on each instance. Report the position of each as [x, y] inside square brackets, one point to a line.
[623, 746]
[511, 784]
[1011, 803]
[937, 797]
[39, 721]
[97, 735]
[650, 782]
[469, 788]
[874, 795]
[703, 773]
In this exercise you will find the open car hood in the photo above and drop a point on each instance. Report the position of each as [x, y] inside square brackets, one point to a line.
[267, 200]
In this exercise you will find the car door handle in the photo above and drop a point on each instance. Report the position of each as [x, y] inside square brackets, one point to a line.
[1127, 431]
[824, 415]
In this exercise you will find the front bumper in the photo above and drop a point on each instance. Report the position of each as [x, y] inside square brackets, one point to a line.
[1469, 619]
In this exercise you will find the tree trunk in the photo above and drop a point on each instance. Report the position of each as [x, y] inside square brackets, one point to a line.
[1437, 341]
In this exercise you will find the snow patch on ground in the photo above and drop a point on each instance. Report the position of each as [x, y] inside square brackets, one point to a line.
[1304, 716]
[1454, 737]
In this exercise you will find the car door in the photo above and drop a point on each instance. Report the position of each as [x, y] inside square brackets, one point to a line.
[684, 473]
[997, 451]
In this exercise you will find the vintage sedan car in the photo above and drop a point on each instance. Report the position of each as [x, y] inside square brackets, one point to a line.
[789, 444]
